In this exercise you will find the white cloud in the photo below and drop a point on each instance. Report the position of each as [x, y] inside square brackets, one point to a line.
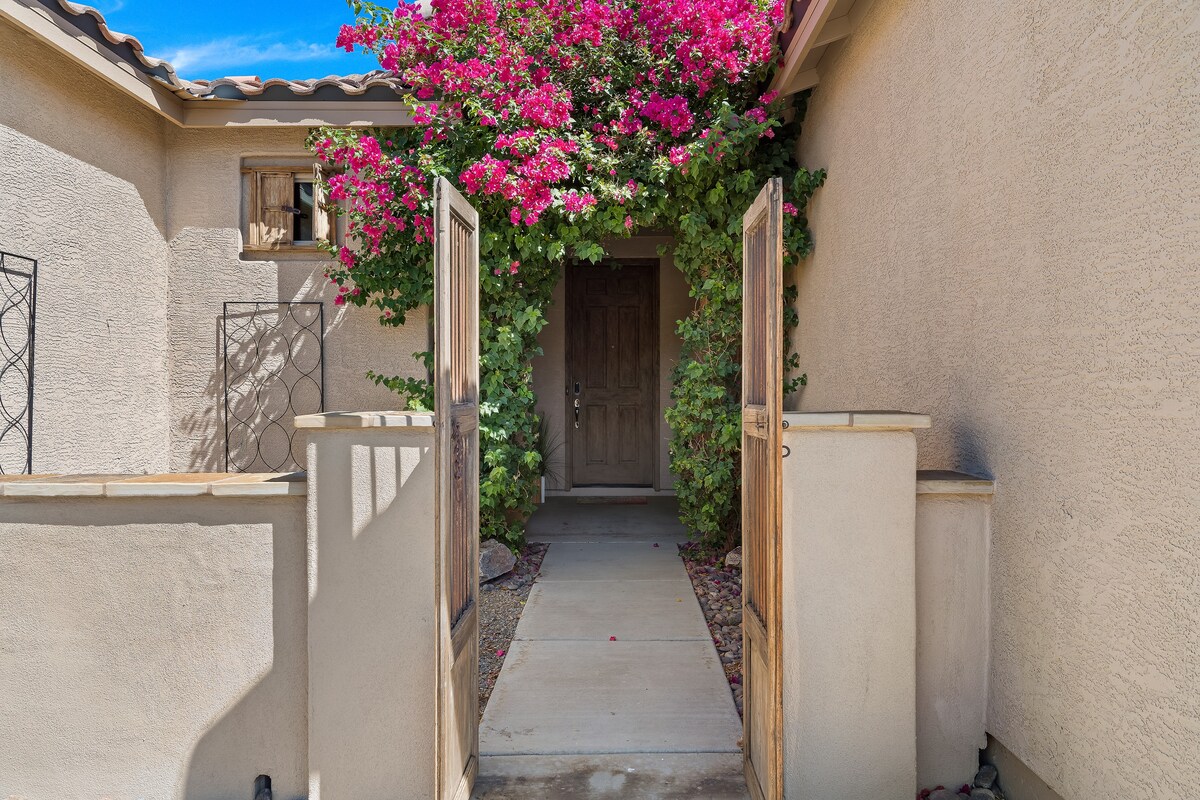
[234, 54]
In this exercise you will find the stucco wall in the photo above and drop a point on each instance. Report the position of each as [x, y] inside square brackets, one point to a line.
[1008, 241]
[152, 647]
[849, 623]
[549, 369]
[207, 268]
[82, 169]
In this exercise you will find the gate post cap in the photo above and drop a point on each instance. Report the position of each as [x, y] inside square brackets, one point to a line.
[366, 419]
[856, 420]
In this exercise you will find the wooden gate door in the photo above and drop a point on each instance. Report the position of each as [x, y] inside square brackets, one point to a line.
[612, 373]
[762, 407]
[456, 385]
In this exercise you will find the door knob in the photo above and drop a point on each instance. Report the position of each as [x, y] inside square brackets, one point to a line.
[577, 411]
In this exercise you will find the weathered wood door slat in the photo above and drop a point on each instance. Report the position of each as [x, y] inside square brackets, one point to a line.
[762, 408]
[456, 385]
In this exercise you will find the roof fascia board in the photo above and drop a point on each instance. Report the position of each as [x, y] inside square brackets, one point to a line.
[83, 50]
[298, 114]
[815, 17]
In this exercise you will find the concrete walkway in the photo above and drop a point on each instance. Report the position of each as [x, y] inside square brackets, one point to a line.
[575, 714]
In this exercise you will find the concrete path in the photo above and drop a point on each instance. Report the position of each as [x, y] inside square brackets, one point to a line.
[575, 714]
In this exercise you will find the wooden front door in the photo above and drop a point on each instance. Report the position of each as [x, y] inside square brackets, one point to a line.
[612, 373]
[762, 467]
[456, 389]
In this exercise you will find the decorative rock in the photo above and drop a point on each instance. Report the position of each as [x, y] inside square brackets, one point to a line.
[734, 557]
[986, 776]
[494, 560]
[979, 793]
[943, 794]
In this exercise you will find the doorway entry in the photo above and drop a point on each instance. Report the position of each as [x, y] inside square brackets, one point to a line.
[612, 373]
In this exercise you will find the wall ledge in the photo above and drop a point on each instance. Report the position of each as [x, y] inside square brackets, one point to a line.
[187, 484]
[856, 420]
[366, 419]
[944, 481]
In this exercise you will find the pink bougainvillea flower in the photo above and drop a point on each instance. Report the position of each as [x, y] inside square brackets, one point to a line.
[499, 654]
[612, 638]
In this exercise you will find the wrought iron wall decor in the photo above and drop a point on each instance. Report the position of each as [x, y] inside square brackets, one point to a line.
[18, 311]
[274, 362]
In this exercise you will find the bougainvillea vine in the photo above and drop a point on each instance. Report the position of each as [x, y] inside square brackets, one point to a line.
[569, 123]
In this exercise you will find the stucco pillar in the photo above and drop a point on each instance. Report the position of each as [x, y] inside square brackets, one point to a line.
[849, 616]
[371, 634]
[953, 529]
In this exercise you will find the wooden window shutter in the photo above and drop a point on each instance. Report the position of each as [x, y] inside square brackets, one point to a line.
[324, 216]
[274, 201]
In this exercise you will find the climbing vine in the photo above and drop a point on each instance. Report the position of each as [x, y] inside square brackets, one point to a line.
[570, 123]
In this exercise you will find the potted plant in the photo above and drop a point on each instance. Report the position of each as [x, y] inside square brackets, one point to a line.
[548, 444]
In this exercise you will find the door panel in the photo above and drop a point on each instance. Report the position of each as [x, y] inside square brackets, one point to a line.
[612, 373]
[456, 389]
[762, 488]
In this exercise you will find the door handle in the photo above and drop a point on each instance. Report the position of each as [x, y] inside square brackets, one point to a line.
[576, 412]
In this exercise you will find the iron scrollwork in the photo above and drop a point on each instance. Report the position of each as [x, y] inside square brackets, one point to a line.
[274, 363]
[18, 311]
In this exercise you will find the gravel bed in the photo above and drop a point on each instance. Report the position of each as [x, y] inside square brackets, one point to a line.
[719, 590]
[500, 605]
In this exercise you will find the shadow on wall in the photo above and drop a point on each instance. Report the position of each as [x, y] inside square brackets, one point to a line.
[970, 448]
[354, 342]
[269, 368]
[131, 624]
[223, 762]
[264, 732]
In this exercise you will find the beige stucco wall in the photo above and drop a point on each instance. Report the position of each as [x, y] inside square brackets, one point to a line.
[152, 648]
[849, 622]
[373, 677]
[952, 532]
[136, 224]
[1008, 240]
[550, 369]
[207, 268]
[82, 169]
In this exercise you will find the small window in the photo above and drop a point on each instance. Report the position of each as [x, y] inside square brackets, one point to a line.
[285, 210]
[302, 212]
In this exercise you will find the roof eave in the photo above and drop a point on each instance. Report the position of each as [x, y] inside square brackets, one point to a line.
[83, 50]
[185, 109]
[822, 23]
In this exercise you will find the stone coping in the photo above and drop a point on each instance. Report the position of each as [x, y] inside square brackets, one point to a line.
[858, 420]
[366, 419]
[945, 481]
[184, 484]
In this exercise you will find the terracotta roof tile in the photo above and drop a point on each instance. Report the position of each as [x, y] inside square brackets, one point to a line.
[239, 87]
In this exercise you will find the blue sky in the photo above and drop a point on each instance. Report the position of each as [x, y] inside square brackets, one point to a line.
[213, 38]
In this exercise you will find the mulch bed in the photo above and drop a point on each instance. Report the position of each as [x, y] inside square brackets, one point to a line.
[500, 605]
[719, 590]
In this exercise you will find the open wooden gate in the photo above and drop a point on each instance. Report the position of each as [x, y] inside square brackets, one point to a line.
[456, 385]
[762, 465]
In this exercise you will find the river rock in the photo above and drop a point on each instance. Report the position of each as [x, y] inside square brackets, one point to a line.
[734, 557]
[494, 560]
[986, 776]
